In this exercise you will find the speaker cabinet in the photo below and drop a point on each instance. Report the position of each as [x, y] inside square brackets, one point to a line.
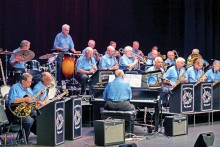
[205, 140]
[176, 125]
[109, 132]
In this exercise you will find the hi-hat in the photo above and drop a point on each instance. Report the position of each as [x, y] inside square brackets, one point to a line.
[47, 56]
[6, 52]
[26, 54]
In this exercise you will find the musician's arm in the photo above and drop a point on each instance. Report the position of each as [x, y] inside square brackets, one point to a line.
[20, 100]
[74, 51]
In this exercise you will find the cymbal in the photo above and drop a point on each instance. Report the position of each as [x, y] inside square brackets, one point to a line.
[47, 56]
[26, 54]
[6, 52]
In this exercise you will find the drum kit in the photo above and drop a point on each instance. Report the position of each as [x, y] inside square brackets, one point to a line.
[34, 68]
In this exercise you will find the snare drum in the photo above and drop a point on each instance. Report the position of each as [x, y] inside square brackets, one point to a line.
[33, 67]
[53, 90]
[68, 65]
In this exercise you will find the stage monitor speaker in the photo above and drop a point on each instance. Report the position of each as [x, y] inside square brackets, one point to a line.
[205, 140]
[176, 125]
[109, 132]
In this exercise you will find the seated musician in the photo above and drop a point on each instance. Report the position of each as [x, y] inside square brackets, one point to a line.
[194, 73]
[172, 77]
[149, 55]
[16, 95]
[18, 62]
[117, 53]
[91, 43]
[154, 80]
[213, 74]
[85, 66]
[118, 93]
[170, 58]
[108, 61]
[127, 61]
[136, 49]
[196, 52]
[40, 86]
[151, 61]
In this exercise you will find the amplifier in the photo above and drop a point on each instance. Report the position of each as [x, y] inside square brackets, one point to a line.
[109, 132]
[176, 125]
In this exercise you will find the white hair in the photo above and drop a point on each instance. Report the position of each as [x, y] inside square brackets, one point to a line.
[110, 48]
[179, 59]
[127, 48]
[158, 59]
[87, 50]
[65, 26]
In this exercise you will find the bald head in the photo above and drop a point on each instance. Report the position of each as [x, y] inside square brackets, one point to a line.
[91, 43]
[46, 78]
[195, 51]
[119, 73]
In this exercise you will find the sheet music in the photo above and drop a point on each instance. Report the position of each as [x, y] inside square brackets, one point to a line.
[133, 79]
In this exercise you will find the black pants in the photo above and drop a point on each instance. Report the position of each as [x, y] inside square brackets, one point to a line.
[119, 106]
[83, 80]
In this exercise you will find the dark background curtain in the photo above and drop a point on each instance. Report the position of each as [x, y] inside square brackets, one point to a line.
[173, 24]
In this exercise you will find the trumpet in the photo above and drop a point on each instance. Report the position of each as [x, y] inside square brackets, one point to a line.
[140, 58]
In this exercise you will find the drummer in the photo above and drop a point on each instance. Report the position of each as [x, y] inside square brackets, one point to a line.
[16, 61]
[63, 43]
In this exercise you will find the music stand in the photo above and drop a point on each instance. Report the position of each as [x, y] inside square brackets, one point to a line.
[161, 111]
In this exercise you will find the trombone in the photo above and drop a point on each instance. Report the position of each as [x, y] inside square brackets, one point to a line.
[140, 58]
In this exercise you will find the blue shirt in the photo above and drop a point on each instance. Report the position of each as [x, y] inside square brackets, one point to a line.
[17, 66]
[61, 41]
[135, 51]
[37, 88]
[124, 61]
[94, 56]
[170, 62]
[17, 91]
[212, 76]
[152, 79]
[107, 62]
[173, 74]
[85, 64]
[193, 75]
[150, 61]
[149, 55]
[117, 90]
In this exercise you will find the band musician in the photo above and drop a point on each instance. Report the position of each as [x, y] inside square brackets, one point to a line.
[85, 66]
[127, 61]
[16, 95]
[195, 72]
[108, 61]
[155, 80]
[118, 93]
[63, 43]
[213, 74]
[172, 77]
[170, 61]
[151, 61]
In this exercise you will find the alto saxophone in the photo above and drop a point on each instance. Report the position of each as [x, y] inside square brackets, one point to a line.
[215, 83]
[179, 80]
[199, 80]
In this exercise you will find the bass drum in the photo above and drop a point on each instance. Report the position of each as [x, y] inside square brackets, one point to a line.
[53, 90]
[68, 65]
[4, 90]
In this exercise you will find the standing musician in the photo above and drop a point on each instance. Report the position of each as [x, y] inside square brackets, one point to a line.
[170, 58]
[85, 66]
[16, 95]
[213, 74]
[45, 81]
[172, 77]
[153, 80]
[127, 61]
[18, 62]
[63, 43]
[194, 73]
[108, 61]
[118, 93]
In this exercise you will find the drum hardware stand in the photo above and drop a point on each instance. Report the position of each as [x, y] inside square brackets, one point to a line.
[6, 68]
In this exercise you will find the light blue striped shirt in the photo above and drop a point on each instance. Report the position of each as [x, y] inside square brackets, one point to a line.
[61, 41]
[212, 76]
[107, 61]
[193, 75]
[85, 64]
[124, 61]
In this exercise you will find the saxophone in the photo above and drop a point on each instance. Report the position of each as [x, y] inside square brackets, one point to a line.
[179, 80]
[200, 78]
[215, 83]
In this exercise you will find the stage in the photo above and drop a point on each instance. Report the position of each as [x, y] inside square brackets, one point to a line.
[146, 139]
